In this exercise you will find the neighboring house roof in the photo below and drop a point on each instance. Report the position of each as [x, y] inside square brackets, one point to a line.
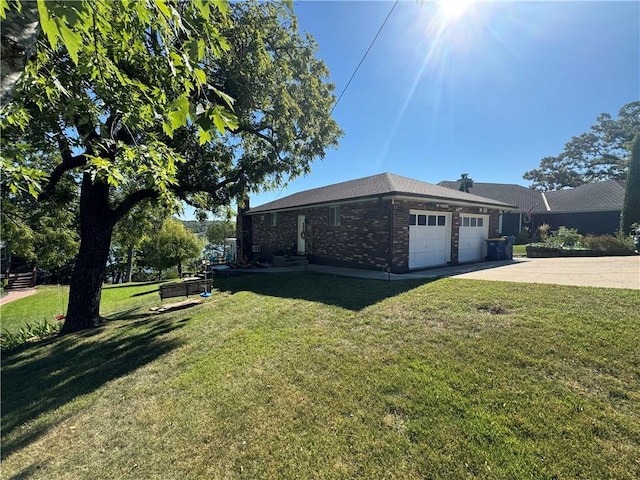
[525, 198]
[373, 186]
[590, 197]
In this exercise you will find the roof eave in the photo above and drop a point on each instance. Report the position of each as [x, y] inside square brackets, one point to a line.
[390, 195]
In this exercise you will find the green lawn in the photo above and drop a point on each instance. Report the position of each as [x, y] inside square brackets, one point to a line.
[309, 376]
[52, 300]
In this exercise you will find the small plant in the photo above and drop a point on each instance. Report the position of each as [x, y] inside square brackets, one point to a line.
[564, 237]
[27, 333]
[543, 231]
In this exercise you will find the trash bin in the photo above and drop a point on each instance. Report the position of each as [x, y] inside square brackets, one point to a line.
[496, 248]
[508, 247]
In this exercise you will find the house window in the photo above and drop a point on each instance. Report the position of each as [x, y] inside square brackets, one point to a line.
[472, 221]
[422, 219]
[441, 220]
[431, 220]
[412, 219]
[334, 216]
[273, 219]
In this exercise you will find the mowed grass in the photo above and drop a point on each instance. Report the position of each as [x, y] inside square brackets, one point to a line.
[309, 376]
[50, 301]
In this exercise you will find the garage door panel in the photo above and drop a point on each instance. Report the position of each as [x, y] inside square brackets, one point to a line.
[474, 230]
[429, 238]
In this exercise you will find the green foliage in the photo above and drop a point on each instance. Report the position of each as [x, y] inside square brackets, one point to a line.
[163, 100]
[218, 231]
[171, 246]
[608, 243]
[568, 238]
[44, 232]
[28, 332]
[564, 237]
[600, 154]
[631, 204]
[130, 234]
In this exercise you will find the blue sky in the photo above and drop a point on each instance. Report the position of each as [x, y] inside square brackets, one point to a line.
[489, 94]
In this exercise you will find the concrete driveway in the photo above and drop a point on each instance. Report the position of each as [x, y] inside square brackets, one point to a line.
[612, 272]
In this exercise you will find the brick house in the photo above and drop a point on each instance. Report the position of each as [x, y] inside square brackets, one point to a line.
[384, 222]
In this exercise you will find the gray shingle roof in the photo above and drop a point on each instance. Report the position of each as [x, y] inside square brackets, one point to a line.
[524, 198]
[381, 184]
[591, 197]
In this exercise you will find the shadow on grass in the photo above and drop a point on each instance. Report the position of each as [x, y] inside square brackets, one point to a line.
[350, 293]
[111, 286]
[146, 292]
[34, 384]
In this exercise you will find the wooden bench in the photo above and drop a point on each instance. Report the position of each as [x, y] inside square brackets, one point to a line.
[184, 289]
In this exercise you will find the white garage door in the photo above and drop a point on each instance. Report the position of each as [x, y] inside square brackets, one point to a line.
[474, 230]
[429, 238]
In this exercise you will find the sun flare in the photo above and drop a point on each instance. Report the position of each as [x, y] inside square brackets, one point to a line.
[452, 10]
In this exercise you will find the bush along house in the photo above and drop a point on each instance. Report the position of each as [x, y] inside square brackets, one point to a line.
[382, 222]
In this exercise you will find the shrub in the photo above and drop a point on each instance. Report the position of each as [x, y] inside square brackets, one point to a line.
[28, 333]
[171, 274]
[564, 237]
[609, 243]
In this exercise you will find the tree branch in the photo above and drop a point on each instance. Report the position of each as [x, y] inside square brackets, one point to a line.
[130, 201]
[68, 163]
[191, 187]
[257, 133]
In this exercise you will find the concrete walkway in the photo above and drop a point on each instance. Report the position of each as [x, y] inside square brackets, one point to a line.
[611, 272]
[16, 294]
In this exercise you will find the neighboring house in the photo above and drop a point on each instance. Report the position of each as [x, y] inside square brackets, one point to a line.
[385, 222]
[590, 208]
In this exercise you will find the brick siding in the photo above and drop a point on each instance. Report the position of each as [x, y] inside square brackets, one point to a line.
[363, 237]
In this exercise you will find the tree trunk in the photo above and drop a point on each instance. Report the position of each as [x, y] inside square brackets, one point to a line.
[129, 269]
[96, 226]
[18, 40]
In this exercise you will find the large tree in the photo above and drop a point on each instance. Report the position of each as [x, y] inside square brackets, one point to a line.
[602, 153]
[130, 233]
[171, 246]
[631, 205]
[138, 109]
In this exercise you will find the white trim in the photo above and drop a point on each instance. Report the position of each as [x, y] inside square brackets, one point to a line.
[546, 203]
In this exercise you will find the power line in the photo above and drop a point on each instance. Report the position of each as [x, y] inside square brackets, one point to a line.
[363, 57]
[356, 70]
